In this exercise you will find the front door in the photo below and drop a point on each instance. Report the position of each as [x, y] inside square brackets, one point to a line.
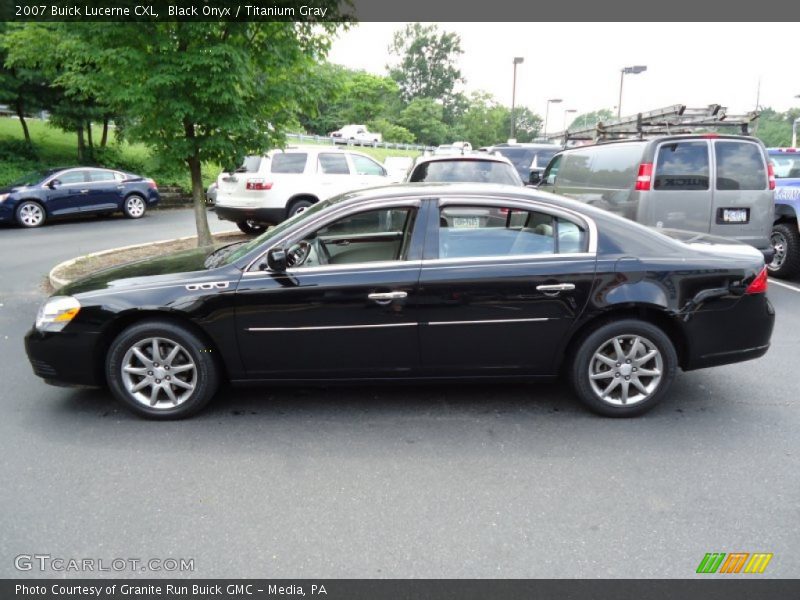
[501, 286]
[68, 192]
[344, 308]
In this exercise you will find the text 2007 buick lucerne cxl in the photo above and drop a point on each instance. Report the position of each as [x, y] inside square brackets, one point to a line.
[423, 282]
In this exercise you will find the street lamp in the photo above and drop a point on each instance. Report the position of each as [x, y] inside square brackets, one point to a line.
[627, 71]
[517, 61]
[547, 112]
[567, 110]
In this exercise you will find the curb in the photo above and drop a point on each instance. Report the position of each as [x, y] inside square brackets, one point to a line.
[58, 282]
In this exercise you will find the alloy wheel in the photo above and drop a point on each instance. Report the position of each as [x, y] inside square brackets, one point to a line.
[159, 373]
[779, 244]
[626, 370]
[31, 214]
[135, 206]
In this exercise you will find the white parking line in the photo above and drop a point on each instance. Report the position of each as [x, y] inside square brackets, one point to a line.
[786, 285]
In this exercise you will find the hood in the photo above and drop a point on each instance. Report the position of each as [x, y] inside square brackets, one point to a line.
[152, 271]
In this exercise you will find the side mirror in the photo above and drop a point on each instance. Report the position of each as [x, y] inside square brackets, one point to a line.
[535, 178]
[276, 260]
[54, 183]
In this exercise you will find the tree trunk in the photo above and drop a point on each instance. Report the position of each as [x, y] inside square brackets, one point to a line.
[198, 193]
[89, 134]
[104, 138]
[21, 114]
[81, 143]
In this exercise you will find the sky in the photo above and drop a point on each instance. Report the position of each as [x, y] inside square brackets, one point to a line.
[695, 64]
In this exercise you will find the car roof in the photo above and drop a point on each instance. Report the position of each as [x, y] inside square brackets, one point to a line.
[483, 157]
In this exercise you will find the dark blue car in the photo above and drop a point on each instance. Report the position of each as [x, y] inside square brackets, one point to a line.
[53, 193]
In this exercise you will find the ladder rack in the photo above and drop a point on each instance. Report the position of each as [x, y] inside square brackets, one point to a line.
[675, 119]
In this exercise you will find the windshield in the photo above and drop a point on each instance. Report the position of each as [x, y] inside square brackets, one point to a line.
[247, 247]
[786, 166]
[470, 171]
[32, 178]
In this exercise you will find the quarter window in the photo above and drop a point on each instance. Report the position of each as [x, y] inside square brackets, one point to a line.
[333, 164]
[740, 166]
[682, 166]
[294, 162]
[487, 231]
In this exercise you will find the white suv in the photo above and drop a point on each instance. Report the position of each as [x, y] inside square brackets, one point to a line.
[269, 189]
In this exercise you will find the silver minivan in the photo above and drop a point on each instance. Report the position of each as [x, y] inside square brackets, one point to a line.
[709, 183]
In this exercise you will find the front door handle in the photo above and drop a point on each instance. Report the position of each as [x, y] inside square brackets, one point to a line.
[556, 287]
[386, 297]
[84, 191]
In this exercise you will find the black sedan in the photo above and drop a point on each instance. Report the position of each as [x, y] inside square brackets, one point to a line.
[48, 194]
[429, 282]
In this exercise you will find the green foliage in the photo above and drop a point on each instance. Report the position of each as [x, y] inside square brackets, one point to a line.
[590, 119]
[427, 62]
[774, 128]
[390, 131]
[423, 118]
[16, 151]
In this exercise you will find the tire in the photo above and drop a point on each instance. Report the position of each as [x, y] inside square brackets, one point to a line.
[785, 240]
[601, 342]
[298, 206]
[31, 214]
[134, 206]
[155, 398]
[251, 227]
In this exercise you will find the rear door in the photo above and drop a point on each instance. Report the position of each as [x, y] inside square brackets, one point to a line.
[501, 285]
[680, 196]
[743, 204]
[105, 191]
[334, 175]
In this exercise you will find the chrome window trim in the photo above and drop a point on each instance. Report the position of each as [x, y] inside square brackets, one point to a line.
[467, 262]
[529, 204]
[371, 267]
[291, 236]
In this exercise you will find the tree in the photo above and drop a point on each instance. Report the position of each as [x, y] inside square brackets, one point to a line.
[209, 91]
[591, 119]
[527, 124]
[428, 59]
[423, 118]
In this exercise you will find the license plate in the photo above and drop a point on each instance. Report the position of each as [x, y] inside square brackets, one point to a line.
[735, 215]
[466, 223]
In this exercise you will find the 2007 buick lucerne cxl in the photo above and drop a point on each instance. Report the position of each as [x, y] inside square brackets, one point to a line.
[424, 282]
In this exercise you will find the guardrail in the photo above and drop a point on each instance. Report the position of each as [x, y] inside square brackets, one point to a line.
[302, 137]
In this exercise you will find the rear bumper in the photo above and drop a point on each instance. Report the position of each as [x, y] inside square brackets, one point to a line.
[64, 358]
[721, 337]
[262, 215]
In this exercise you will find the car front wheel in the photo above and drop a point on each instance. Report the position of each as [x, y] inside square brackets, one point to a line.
[785, 239]
[134, 207]
[624, 368]
[161, 370]
[31, 214]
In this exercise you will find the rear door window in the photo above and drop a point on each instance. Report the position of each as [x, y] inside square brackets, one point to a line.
[333, 164]
[294, 162]
[682, 166]
[97, 175]
[740, 166]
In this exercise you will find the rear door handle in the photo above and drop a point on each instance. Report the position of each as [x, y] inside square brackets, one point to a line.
[386, 297]
[84, 191]
[556, 287]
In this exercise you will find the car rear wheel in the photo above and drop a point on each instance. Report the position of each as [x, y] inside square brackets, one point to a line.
[624, 368]
[31, 214]
[785, 240]
[298, 206]
[161, 370]
[251, 227]
[134, 207]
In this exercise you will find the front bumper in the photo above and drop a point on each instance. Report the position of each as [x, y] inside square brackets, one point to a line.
[6, 213]
[272, 216]
[64, 358]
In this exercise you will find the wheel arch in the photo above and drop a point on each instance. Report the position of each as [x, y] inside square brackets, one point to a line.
[132, 317]
[297, 198]
[785, 213]
[649, 313]
[38, 201]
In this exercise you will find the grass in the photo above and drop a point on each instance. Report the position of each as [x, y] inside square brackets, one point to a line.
[56, 148]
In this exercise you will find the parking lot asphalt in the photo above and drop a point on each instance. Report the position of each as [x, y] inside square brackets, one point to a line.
[402, 481]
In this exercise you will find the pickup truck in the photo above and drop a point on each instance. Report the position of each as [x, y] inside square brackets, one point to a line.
[357, 134]
[786, 229]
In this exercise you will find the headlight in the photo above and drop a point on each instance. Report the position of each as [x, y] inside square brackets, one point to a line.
[3, 197]
[56, 312]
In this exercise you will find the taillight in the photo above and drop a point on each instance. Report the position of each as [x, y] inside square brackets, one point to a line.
[759, 284]
[644, 177]
[258, 184]
[771, 175]
[152, 184]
